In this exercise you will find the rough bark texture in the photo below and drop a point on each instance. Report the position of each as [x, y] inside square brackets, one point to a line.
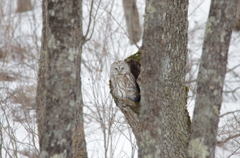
[129, 108]
[24, 5]
[59, 99]
[211, 79]
[237, 22]
[164, 119]
[132, 19]
[42, 74]
[131, 116]
[79, 143]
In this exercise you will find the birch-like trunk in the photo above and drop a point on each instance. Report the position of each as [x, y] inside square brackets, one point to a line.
[210, 78]
[59, 99]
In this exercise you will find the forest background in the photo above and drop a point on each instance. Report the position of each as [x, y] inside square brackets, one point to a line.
[107, 132]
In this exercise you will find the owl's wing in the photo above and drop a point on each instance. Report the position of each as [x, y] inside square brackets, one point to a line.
[130, 82]
[118, 86]
[131, 87]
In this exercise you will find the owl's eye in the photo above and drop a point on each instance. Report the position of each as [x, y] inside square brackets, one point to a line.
[122, 68]
[116, 69]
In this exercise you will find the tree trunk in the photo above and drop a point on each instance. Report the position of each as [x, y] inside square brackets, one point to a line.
[132, 19]
[79, 143]
[210, 79]
[24, 5]
[59, 99]
[42, 75]
[237, 22]
[164, 118]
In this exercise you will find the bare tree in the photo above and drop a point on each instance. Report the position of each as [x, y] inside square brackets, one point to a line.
[61, 97]
[163, 115]
[163, 95]
[211, 79]
[132, 19]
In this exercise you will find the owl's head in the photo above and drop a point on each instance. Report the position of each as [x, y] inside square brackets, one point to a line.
[119, 68]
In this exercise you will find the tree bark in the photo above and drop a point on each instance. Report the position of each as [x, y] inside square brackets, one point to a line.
[210, 79]
[42, 75]
[164, 118]
[24, 5]
[59, 99]
[79, 143]
[132, 19]
[237, 21]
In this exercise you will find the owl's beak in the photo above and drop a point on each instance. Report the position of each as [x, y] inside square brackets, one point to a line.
[119, 72]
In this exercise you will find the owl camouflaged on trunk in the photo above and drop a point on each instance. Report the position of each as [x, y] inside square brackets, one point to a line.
[123, 82]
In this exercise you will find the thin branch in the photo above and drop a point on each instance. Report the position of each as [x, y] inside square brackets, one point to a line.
[231, 112]
[232, 91]
[228, 138]
[234, 152]
[233, 68]
[90, 19]
[123, 29]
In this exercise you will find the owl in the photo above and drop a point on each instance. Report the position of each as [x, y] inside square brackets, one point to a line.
[123, 82]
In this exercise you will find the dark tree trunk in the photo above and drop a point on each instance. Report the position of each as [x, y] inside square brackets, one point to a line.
[59, 99]
[42, 75]
[164, 118]
[210, 78]
[237, 22]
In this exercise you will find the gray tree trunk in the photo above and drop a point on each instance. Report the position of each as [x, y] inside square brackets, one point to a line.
[164, 118]
[42, 75]
[210, 78]
[24, 5]
[132, 19]
[59, 99]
